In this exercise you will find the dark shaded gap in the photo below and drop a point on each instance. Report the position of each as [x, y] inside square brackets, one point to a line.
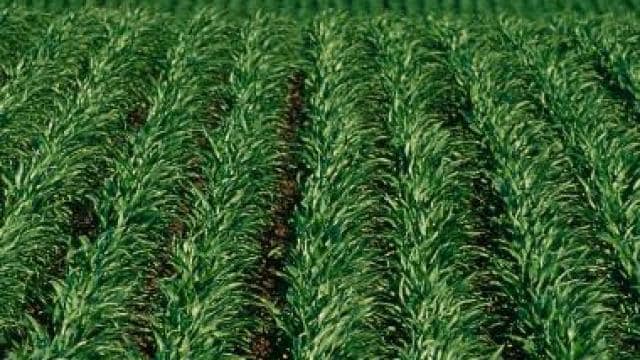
[3, 77]
[137, 115]
[269, 342]
[84, 221]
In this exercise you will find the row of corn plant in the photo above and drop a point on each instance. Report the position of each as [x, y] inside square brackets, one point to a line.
[98, 307]
[440, 314]
[209, 300]
[65, 154]
[43, 73]
[450, 53]
[71, 154]
[614, 46]
[614, 190]
[606, 127]
[604, 151]
[542, 270]
[19, 49]
[333, 302]
[19, 30]
[17, 84]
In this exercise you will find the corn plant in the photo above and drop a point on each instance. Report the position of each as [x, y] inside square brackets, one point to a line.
[614, 49]
[439, 312]
[557, 309]
[209, 298]
[204, 186]
[334, 280]
[604, 149]
[39, 185]
[72, 148]
[105, 283]
[19, 30]
[43, 73]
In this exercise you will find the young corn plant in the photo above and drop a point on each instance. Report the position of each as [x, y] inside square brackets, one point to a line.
[17, 84]
[604, 149]
[543, 273]
[614, 48]
[97, 304]
[66, 149]
[68, 158]
[20, 29]
[334, 279]
[440, 315]
[44, 73]
[450, 53]
[209, 298]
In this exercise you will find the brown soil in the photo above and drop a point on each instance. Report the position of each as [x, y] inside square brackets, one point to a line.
[267, 342]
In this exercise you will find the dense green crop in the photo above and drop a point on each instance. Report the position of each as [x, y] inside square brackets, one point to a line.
[307, 184]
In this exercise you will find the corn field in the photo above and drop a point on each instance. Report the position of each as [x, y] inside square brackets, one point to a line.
[320, 180]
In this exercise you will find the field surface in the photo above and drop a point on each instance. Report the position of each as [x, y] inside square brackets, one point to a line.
[297, 184]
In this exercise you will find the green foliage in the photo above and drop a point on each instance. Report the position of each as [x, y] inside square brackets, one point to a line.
[440, 314]
[308, 8]
[209, 298]
[559, 309]
[57, 133]
[603, 145]
[74, 144]
[19, 30]
[60, 57]
[333, 276]
[614, 44]
[468, 188]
